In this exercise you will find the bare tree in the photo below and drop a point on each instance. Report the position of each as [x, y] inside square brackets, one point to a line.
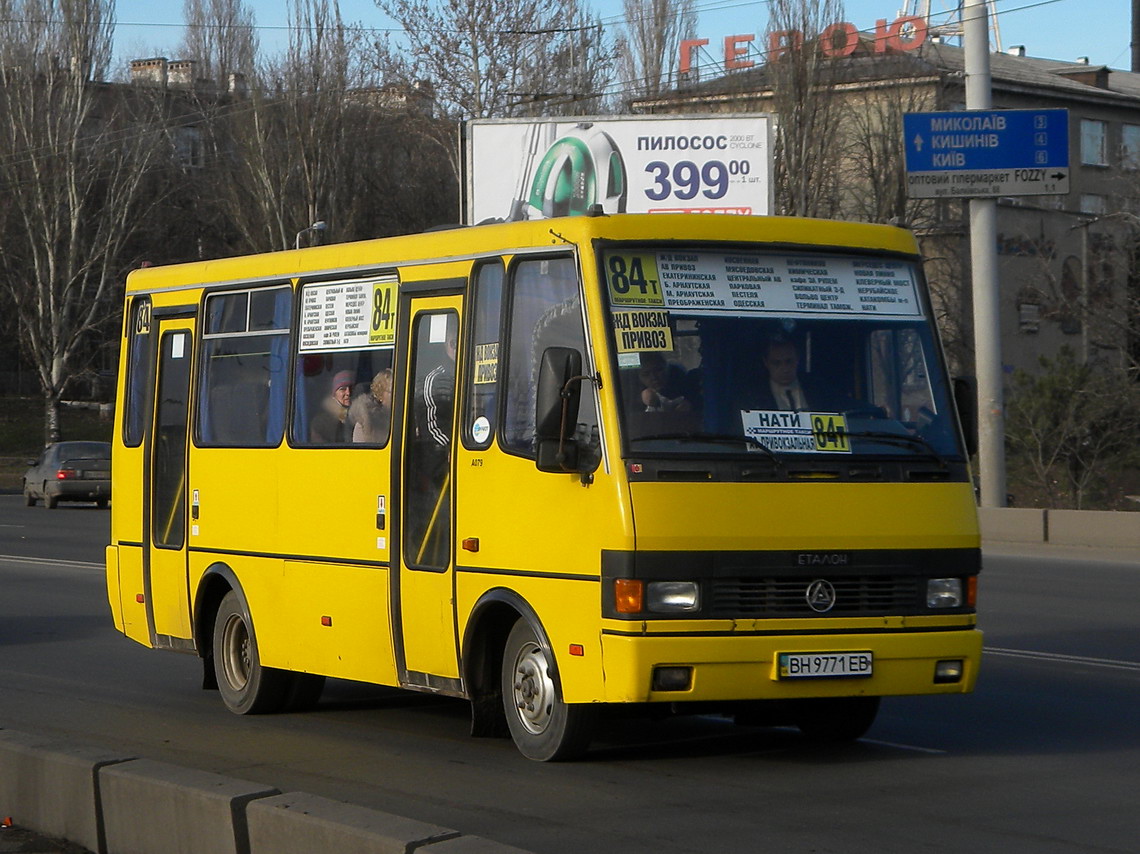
[648, 49]
[575, 70]
[74, 160]
[807, 150]
[484, 57]
[220, 35]
[319, 140]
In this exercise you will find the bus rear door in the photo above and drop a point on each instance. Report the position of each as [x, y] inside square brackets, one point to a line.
[165, 485]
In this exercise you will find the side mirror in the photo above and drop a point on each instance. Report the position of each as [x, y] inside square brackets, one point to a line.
[966, 402]
[556, 409]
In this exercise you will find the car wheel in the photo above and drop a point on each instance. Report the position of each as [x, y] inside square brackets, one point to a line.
[29, 499]
[246, 687]
[542, 725]
[101, 503]
[50, 501]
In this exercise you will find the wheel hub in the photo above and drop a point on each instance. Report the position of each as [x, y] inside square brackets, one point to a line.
[533, 688]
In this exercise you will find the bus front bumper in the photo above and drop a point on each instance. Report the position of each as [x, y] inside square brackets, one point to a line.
[783, 667]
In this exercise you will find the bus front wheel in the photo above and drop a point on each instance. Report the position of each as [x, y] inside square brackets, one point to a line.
[246, 687]
[543, 726]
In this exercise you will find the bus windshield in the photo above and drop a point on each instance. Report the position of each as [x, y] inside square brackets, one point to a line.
[792, 355]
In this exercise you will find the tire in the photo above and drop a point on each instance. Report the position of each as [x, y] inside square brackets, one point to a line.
[543, 727]
[246, 687]
[29, 499]
[101, 503]
[50, 501]
[837, 719]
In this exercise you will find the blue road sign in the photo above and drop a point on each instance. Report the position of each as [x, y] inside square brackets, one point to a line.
[987, 153]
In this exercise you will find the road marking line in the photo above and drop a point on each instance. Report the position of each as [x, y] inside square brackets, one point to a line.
[43, 561]
[1111, 663]
[898, 746]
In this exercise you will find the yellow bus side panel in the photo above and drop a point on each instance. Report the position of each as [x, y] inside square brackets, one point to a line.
[357, 643]
[428, 620]
[744, 668]
[528, 520]
[236, 490]
[114, 593]
[805, 516]
[566, 609]
[130, 587]
[328, 503]
[287, 601]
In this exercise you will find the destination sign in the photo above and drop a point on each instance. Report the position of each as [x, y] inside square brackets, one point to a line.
[753, 283]
[983, 153]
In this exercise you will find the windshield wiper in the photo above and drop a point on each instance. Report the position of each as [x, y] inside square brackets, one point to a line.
[910, 440]
[714, 438]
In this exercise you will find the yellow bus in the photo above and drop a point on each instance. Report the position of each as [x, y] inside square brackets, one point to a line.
[711, 462]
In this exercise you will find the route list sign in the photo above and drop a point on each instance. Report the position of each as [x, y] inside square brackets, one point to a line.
[753, 283]
[352, 315]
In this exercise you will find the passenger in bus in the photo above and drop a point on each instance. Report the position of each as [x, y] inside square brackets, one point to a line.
[664, 387]
[784, 387]
[328, 424]
[370, 414]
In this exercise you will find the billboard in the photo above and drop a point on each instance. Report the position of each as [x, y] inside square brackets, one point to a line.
[538, 168]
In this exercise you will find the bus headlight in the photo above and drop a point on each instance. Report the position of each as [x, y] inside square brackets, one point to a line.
[944, 593]
[670, 597]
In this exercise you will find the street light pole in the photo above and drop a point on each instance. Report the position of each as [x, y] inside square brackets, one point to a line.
[984, 275]
[318, 226]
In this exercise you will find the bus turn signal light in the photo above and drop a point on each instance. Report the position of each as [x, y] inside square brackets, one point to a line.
[629, 595]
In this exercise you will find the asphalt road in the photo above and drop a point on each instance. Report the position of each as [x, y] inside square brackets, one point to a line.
[1043, 757]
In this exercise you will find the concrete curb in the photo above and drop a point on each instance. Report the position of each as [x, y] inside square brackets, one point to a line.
[114, 804]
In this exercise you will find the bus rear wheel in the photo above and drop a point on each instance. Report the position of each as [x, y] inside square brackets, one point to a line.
[543, 727]
[246, 687]
[837, 719]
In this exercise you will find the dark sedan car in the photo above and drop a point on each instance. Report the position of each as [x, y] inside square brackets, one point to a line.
[70, 471]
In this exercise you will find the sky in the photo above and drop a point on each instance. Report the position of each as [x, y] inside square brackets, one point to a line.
[1051, 29]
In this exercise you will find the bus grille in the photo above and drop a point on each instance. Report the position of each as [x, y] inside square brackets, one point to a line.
[866, 595]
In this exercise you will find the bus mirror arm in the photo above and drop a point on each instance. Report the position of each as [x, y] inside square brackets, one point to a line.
[966, 402]
[556, 409]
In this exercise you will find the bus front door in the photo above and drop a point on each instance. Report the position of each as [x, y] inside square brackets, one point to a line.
[165, 580]
[426, 595]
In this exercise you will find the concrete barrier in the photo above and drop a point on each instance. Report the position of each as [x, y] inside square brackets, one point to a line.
[1012, 524]
[114, 804]
[1105, 528]
[53, 787]
[154, 808]
[297, 823]
[1096, 528]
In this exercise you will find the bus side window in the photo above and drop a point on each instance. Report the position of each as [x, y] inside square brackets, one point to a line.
[139, 373]
[480, 417]
[342, 395]
[245, 345]
[546, 311]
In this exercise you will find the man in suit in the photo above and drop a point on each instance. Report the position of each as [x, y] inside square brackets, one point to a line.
[785, 388]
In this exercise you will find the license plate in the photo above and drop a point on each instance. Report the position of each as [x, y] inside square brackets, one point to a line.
[821, 665]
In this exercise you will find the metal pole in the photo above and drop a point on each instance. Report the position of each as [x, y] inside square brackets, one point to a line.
[984, 273]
